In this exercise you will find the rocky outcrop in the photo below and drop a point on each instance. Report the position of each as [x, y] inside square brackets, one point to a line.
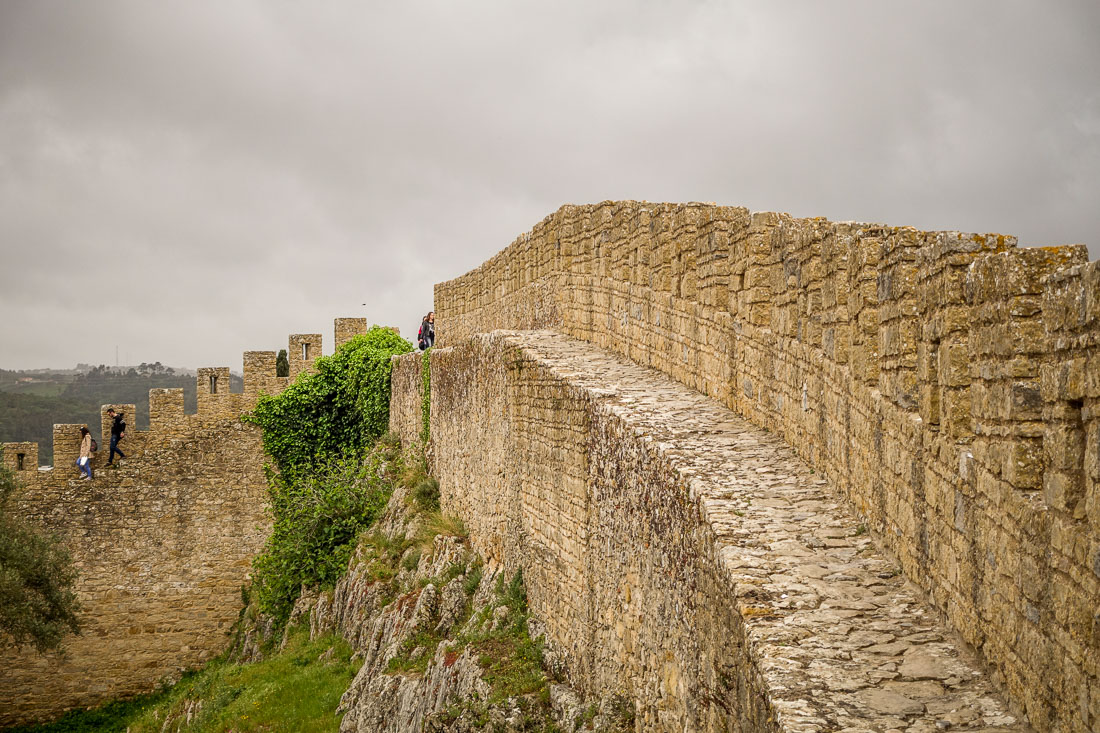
[444, 640]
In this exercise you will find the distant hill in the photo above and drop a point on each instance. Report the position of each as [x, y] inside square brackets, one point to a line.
[32, 401]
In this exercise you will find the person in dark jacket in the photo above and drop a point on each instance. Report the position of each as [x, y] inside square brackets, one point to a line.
[118, 432]
[426, 337]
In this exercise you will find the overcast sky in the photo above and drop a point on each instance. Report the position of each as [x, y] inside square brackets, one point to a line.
[191, 180]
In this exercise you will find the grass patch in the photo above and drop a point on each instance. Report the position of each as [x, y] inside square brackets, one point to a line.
[415, 653]
[295, 690]
[438, 523]
[113, 716]
[425, 494]
[512, 660]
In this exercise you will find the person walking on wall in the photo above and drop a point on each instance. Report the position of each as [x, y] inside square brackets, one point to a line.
[426, 336]
[85, 459]
[118, 432]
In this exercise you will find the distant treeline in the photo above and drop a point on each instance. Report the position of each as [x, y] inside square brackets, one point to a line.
[30, 413]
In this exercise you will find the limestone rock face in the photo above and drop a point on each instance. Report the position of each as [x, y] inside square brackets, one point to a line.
[399, 704]
[413, 632]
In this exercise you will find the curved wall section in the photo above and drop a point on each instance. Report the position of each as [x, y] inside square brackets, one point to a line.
[948, 384]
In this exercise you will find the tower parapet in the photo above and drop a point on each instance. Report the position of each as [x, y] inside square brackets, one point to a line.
[20, 457]
[166, 410]
[302, 351]
[261, 374]
[348, 328]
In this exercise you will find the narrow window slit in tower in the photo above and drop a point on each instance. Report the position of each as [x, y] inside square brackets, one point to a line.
[19, 461]
[213, 384]
[934, 384]
[1075, 457]
[305, 352]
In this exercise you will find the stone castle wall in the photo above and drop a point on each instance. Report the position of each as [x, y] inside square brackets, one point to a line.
[163, 542]
[676, 555]
[947, 384]
[512, 445]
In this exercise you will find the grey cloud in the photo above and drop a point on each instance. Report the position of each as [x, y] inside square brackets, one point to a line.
[199, 179]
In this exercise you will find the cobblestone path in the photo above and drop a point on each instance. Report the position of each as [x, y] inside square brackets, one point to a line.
[842, 640]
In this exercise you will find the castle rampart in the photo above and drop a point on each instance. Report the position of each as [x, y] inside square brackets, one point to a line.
[163, 542]
[676, 555]
[946, 384]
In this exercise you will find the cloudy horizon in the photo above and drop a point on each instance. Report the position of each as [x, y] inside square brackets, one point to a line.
[187, 181]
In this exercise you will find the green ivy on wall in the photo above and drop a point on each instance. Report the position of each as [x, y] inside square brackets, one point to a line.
[316, 520]
[327, 484]
[337, 410]
[425, 397]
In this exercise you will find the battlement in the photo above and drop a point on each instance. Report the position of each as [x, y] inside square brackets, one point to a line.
[167, 418]
[948, 384]
[304, 348]
[20, 456]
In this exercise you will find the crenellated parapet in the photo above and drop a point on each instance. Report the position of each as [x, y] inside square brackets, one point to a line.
[948, 384]
[167, 418]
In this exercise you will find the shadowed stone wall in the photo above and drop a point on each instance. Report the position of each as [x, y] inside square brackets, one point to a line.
[946, 384]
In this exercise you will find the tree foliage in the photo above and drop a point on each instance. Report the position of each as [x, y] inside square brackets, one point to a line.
[282, 364]
[37, 602]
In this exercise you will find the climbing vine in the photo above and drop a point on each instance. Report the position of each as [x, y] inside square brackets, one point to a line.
[425, 397]
[316, 519]
[337, 410]
[330, 479]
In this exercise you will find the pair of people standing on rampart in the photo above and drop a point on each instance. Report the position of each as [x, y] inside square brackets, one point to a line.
[88, 445]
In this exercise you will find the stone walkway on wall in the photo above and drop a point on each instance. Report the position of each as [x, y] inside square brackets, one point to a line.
[841, 639]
